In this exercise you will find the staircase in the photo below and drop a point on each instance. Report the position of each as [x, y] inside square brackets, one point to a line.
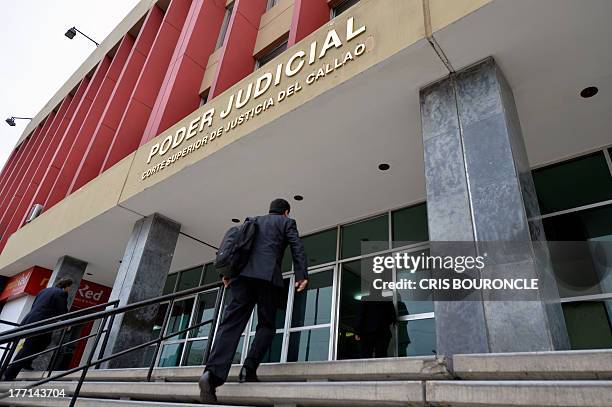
[573, 378]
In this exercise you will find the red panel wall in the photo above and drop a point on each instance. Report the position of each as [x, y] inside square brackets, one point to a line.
[137, 113]
[11, 187]
[8, 165]
[100, 141]
[43, 166]
[67, 139]
[10, 168]
[237, 59]
[308, 15]
[85, 133]
[9, 211]
[179, 94]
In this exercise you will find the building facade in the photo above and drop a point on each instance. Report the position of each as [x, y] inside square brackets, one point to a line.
[400, 122]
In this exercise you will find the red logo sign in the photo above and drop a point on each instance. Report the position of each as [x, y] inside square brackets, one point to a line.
[90, 294]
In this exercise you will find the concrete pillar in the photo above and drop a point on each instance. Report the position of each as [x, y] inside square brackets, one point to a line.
[141, 276]
[66, 267]
[480, 189]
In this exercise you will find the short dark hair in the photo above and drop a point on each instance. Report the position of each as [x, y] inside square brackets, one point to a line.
[279, 206]
[64, 283]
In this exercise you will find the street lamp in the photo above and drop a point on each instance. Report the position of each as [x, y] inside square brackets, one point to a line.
[73, 31]
[11, 120]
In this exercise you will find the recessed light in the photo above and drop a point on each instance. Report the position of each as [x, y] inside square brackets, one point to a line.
[298, 197]
[383, 166]
[89, 274]
[589, 92]
[235, 220]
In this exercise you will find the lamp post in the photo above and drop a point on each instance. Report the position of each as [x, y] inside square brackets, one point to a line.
[73, 31]
[11, 120]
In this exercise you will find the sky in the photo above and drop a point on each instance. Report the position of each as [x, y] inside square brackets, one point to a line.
[37, 58]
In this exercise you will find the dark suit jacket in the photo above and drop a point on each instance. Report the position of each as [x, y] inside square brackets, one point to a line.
[274, 233]
[50, 302]
[375, 317]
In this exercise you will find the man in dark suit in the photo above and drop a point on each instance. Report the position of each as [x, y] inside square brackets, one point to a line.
[374, 320]
[260, 283]
[50, 302]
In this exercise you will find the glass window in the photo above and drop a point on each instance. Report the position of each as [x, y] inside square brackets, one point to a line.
[171, 355]
[417, 337]
[238, 355]
[373, 233]
[224, 26]
[159, 319]
[343, 6]
[581, 268]
[573, 183]
[211, 275]
[264, 59]
[308, 345]
[205, 310]
[410, 225]
[320, 247]
[413, 302]
[350, 298]
[179, 317]
[189, 278]
[170, 283]
[313, 306]
[194, 353]
[588, 324]
[273, 355]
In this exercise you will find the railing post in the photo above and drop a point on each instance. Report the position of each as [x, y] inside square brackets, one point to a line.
[55, 353]
[213, 325]
[75, 396]
[105, 341]
[160, 338]
[9, 355]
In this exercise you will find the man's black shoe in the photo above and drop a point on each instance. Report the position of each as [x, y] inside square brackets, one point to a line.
[247, 375]
[207, 389]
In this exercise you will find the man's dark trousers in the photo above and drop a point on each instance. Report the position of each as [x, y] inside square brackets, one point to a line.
[245, 294]
[30, 347]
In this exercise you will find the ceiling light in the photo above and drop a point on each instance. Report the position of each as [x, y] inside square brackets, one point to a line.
[589, 92]
[298, 197]
[383, 166]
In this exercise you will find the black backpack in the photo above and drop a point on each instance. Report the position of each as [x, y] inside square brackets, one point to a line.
[235, 248]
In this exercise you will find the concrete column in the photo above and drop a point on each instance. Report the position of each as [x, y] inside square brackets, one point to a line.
[66, 267]
[141, 276]
[479, 188]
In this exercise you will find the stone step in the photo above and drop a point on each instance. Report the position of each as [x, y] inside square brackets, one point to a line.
[371, 393]
[409, 368]
[456, 393]
[90, 402]
[559, 365]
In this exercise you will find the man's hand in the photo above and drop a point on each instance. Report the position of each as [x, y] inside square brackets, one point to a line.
[301, 285]
[226, 281]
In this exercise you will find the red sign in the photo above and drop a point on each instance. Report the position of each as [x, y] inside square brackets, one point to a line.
[34, 279]
[30, 281]
[90, 294]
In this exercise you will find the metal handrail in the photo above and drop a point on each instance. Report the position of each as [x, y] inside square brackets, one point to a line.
[67, 316]
[13, 336]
